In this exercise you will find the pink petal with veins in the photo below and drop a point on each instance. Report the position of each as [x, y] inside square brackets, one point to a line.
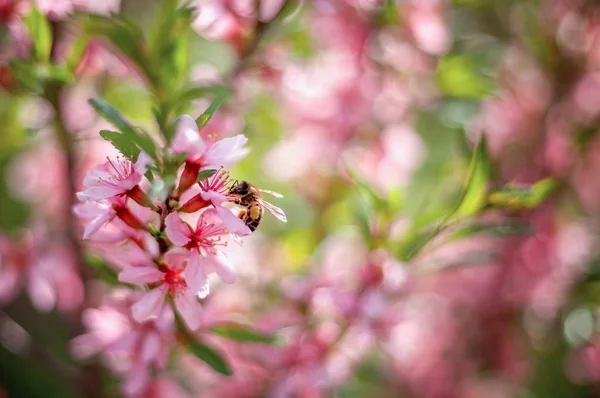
[149, 306]
[140, 275]
[189, 308]
[177, 230]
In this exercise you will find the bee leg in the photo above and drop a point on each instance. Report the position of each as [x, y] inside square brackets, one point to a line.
[241, 214]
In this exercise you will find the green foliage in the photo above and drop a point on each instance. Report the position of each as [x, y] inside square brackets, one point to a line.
[205, 117]
[242, 333]
[522, 197]
[103, 270]
[204, 174]
[14, 213]
[168, 46]
[34, 77]
[458, 76]
[124, 35]
[504, 228]
[210, 356]
[41, 33]
[122, 143]
[129, 137]
[475, 190]
[472, 200]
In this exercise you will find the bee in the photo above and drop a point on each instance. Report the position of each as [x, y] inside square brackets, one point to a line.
[250, 197]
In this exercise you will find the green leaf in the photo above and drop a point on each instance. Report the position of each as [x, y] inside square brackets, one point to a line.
[522, 197]
[104, 271]
[210, 356]
[457, 76]
[122, 143]
[474, 195]
[41, 33]
[203, 119]
[495, 229]
[110, 114]
[241, 333]
[76, 52]
[125, 35]
[201, 92]
[168, 47]
[473, 199]
[204, 174]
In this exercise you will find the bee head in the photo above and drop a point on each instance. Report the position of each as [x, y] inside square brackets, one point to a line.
[240, 188]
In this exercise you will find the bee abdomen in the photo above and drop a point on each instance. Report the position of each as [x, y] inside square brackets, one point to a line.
[253, 224]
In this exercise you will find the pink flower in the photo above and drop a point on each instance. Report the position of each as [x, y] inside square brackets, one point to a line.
[214, 191]
[202, 242]
[171, 281]
[114, 178]
[131, 348]
[224, 152]
[100, 213]
[46, 271]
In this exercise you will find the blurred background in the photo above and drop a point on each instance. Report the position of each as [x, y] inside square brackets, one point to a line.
[365, 115]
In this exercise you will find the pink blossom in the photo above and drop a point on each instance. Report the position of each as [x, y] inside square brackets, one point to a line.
[45, 269]
[171, 281]
[129, 347]
[203, 243]
[206, 154]
[214, 191]
[100, 213]
[114, 177]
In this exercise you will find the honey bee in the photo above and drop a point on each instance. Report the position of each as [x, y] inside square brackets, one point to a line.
[250, 197]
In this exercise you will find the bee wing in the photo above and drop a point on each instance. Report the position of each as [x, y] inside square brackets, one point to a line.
[275, 194]
[276, 211]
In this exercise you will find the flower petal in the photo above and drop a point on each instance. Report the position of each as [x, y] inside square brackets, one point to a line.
[209, 216]
[223, 267]
[91, 210]
[95, 225]
[100, 192]
[178, 231]
[150, 347]
[195, 275]
[141, 165]
[226, 152]
[234, 224]
[187, 139]
[140, 275]
[189, 308]
[176, 258]
[149, 306]
[42, 292]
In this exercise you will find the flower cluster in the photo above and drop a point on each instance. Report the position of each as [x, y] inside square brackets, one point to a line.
[160, 250]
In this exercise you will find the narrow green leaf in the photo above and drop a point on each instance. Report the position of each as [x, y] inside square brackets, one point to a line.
[203, 119]
[473, 199]
[494, 229]
[474, 195]
[122, 143]
[201, 92]
[104, 271]
[77, 49]
[41, 33]
[168, 47]
[522, 197]
[204, 174]
[210, 356]
[110, 114]
[241, 333]
[125, 35]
